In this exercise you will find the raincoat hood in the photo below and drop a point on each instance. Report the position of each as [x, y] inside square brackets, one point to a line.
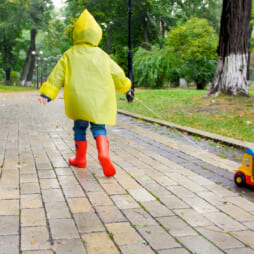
[87, 30]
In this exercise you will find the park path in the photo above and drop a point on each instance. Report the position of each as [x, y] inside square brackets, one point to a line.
[158, 202]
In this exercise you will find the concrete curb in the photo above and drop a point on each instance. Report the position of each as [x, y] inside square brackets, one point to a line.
[225, 140]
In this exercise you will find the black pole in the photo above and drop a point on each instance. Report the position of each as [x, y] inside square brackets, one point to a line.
[37, 72]
[130, 75]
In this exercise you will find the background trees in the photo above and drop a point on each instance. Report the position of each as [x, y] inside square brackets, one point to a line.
[172, 39]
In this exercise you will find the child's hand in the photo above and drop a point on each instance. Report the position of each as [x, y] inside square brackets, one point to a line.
[42, 100]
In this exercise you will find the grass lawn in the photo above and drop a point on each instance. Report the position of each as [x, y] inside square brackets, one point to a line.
[227, 116]
[7, 89]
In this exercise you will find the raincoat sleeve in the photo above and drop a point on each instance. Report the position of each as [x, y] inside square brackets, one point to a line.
[51, 87]
[122, 83]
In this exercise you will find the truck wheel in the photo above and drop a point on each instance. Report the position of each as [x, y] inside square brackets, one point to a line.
[240, 179]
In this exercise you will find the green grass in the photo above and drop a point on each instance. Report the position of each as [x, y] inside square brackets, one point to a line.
[7, 89]
[227, 116]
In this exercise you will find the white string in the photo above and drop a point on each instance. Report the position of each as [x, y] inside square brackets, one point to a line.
[161, 118]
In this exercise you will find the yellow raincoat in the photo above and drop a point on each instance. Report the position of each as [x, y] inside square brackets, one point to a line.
[89, 75]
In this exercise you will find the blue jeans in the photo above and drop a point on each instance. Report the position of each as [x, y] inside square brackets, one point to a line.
[80, 127]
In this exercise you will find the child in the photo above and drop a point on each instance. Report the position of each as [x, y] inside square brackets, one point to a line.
[90, 78]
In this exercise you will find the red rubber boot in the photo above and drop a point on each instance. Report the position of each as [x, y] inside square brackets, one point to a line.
[80, 159]
[103, 156]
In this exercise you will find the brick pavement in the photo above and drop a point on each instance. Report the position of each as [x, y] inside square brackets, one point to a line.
[152, 205]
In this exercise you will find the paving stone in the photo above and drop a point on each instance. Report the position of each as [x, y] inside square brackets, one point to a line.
[139, 217]
[30, 188]
[157, 237]
[57, 210]
[174, 251]
[68, 180]
[241, 202]
[80, 205]
[176, 226]
[49, 184]
[73, 191]
[113, 188]
[200, 205]
[9, 225]
[224, 222]
[33, 217]
[88, 222]
[180, 191]
[99, 199]
[127, 182]
[9, 193]
[47, 174]
[9, 244]
[99, 243]
[9, 207]
[246, 237]
[10, 177]
[241, 251]
[63, 229]
[123, 233]
[124, 201]
[185, 199]
[141, 195]
[141, 247]
[164, 180]
[110, 214]
[220, 238]
[198, 244]
[70, 246]
[212, 198]
[236, 212]
[156, 209]
[34, 238]
[64, 171]
[31, 201]
[172, 202]
[38, 252]
[28, 178]
[52, 195]
[221, 191]
[193, 218]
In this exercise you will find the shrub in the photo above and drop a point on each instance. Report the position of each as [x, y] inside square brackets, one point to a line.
[152, 68]
[194, 44]
[15, 77]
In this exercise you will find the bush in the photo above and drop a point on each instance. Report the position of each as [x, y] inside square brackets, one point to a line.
[152, 68]
[15, 77]
[2, 75]
[194, 44]
[189, 52]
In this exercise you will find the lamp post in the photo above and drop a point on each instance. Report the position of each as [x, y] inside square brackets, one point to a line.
[37, 59]
[37, 70]
[130, 75]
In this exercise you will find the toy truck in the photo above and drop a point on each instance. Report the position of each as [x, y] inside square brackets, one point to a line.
[245, 173]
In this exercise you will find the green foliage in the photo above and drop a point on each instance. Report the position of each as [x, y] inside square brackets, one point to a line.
[15, 76]
[1, 74]
[120, 55]
[194, 45]
[152, 68]
[189, 52]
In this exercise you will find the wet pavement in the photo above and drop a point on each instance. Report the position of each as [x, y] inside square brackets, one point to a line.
[172, 194]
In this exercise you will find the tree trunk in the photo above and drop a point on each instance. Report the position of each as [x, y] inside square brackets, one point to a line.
[29, 78]
[8, 76]
[249, 53]
[231, 73]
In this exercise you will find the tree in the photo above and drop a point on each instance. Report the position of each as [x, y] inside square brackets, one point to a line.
[231, 73]
[37, 17]
[11, 15]
[194, 44]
